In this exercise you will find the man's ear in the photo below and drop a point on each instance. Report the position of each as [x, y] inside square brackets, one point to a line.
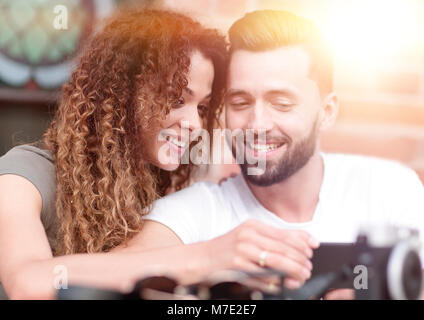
[329, 111]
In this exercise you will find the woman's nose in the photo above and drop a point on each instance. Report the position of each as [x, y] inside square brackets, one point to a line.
[193, 118]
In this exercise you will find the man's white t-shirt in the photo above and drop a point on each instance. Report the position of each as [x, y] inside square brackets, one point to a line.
[355, 191]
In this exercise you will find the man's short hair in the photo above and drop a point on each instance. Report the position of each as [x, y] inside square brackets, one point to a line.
[271, 29]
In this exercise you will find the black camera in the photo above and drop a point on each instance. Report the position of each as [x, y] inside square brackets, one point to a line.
[383, 264]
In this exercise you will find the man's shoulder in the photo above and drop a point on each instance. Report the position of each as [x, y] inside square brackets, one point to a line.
[194, 213]
[204, 195]
[372, 174]
[197, 193]
[365, 164]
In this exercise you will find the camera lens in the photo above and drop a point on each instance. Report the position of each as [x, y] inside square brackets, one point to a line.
[412, 276]
[404, 274]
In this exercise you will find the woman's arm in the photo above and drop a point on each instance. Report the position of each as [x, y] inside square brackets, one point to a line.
[35, 279]
[29, 271]
[27, 267]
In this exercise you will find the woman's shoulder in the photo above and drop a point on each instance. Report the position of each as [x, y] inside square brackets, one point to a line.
[33, 163]
[29, 160]
[33, 152]
[37, 166]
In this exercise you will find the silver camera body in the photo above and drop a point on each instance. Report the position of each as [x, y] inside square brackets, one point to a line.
[392, 258]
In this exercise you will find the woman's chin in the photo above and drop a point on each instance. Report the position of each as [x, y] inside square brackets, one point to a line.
[169, 167]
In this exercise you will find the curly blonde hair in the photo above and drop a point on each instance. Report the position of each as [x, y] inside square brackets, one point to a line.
[126, 82]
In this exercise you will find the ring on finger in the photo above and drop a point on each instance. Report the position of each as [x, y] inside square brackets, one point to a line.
[262, 258]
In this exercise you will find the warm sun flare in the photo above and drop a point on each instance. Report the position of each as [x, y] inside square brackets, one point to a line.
[373, 30]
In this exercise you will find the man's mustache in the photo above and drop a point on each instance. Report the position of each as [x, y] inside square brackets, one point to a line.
[269, 139]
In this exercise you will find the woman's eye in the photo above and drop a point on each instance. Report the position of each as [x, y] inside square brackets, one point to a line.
[203, 110]
[180, 102]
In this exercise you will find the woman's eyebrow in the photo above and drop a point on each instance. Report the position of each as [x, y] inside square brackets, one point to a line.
[189, 91]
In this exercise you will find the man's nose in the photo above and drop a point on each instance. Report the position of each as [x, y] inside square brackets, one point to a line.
[260, 118]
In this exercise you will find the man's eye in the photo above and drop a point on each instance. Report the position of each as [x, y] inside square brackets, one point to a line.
[282, 104]
[239, 103]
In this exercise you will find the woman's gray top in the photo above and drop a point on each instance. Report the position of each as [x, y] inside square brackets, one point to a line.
[37, 166]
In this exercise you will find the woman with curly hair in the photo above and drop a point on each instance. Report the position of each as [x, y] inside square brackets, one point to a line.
[78, 196]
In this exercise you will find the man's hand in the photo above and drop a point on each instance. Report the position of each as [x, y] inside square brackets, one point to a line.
[340, 294]
[244, 247]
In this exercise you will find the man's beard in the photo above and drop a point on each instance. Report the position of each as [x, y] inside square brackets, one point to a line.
[294, 159]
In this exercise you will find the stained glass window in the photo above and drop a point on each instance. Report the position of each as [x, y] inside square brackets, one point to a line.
[40, 38]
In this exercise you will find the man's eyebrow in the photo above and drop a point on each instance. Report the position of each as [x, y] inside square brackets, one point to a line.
[235, 92]
[282, 92]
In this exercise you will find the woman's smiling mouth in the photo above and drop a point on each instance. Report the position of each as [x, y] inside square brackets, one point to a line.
[176, 143]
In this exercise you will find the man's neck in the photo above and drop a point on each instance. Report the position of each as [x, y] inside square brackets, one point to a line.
[295, 199]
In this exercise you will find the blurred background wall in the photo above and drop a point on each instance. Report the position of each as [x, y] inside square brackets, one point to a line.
[378, 48]
[37, 54]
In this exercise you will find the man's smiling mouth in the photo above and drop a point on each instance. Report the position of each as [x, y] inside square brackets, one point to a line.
[264, 148]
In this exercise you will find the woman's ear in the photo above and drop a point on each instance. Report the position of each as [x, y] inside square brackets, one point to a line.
[329, 111]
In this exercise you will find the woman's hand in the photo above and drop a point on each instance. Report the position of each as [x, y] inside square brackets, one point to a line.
[253, 246]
